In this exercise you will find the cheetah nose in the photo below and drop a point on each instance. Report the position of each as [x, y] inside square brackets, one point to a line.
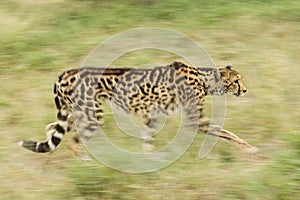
[245, 90]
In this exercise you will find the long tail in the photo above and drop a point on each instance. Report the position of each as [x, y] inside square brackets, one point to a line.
[55, 136]
[55, 131]
[39, 147]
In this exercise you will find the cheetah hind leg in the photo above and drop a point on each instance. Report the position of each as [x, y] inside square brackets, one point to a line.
[76, 148]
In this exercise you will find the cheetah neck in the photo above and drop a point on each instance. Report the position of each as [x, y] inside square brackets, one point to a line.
[212, 79]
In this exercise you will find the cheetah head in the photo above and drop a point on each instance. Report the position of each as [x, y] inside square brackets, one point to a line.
[232, 81]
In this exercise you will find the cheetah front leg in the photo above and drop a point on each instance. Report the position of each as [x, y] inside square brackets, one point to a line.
[226, 135]
[234, 140]
[147, 135]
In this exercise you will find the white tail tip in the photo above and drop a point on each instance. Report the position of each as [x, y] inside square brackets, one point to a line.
[20, 143]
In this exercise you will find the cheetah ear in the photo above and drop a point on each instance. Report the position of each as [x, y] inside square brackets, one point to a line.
[222, 73]
[229, 66]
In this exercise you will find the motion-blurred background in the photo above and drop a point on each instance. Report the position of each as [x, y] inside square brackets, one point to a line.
[40, 39]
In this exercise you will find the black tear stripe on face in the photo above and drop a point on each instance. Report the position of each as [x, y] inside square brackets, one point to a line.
[239, 89]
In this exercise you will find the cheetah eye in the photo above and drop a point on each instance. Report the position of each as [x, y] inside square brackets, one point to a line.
[236, 81]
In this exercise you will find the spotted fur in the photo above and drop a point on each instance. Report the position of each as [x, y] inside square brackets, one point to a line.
[139, 92]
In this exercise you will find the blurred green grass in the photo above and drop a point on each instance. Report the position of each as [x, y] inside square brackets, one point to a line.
[260, 38]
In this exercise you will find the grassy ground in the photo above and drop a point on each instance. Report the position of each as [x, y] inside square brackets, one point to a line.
[260, 38]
